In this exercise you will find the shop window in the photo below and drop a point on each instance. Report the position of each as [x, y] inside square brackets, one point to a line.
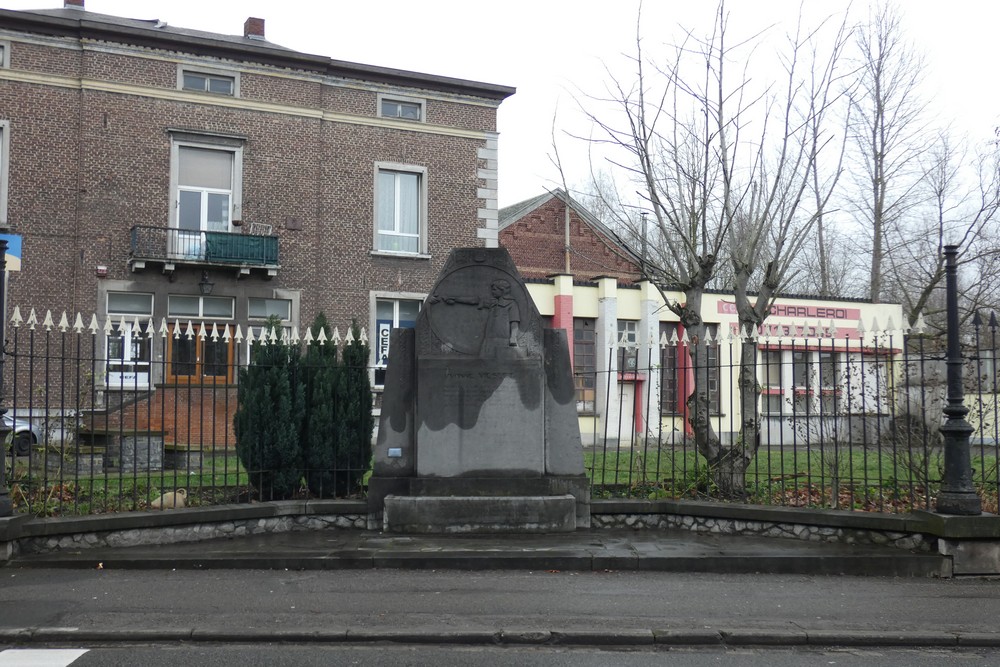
[391, 314]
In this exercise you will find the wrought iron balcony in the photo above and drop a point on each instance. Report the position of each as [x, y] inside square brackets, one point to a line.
[170, 247]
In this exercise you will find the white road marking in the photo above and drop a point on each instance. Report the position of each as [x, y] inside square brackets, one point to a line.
[39, 657]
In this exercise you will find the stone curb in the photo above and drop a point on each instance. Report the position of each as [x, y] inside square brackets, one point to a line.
[895, 565]
[514, 637]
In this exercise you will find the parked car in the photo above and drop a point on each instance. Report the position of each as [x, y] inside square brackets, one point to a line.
[25, 434]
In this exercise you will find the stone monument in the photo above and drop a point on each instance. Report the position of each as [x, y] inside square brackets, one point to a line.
[478, 430]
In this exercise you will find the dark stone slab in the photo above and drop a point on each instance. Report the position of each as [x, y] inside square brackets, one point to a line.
[479, 389]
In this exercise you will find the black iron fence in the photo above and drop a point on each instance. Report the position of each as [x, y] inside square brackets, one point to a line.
[846, 423]
[118, 416]
[110, 416]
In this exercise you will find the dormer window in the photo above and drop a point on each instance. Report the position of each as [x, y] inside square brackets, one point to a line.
[204, 82]
[403, 109]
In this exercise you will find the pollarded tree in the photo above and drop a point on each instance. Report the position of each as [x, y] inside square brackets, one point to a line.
[721, 165]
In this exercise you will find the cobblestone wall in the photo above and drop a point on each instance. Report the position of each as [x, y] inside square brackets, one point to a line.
[795, 531]
[191, 532]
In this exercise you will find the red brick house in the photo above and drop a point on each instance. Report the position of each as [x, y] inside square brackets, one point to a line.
[166, 175]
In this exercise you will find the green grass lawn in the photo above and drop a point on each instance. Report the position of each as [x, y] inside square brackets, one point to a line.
[862, 477]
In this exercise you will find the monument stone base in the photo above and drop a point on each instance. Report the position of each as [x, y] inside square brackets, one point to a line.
[479, 514]
[440, 495]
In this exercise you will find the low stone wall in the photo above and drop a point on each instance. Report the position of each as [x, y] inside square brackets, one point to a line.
[972, 542]
[795, 531]
[194, 532]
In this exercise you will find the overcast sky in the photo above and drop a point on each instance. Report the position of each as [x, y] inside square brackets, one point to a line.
[550, 49]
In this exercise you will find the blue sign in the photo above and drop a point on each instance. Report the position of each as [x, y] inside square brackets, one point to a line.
[13, 256]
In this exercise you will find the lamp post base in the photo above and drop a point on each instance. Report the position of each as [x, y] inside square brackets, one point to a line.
[958, 502]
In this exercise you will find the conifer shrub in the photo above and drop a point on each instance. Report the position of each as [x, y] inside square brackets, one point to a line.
[268, 420]
[306, 415]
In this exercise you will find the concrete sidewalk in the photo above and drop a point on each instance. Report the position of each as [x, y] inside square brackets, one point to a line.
[584, 550]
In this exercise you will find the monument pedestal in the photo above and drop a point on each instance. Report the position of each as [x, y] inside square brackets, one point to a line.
[479, 514]
[506, 504]
[478, 430]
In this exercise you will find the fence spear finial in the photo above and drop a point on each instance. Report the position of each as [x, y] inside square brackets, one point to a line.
[78, 324]
[364, 336]
[16, 319]
[48, 323]
[32, 319]
[921, 326]
[64, 323]
[308, 337]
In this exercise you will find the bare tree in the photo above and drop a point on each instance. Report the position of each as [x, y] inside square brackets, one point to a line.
[961, 200]
[888, 130]
[721, 165]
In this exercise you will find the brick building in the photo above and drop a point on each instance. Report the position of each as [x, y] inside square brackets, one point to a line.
[156, 173]
[619, 327]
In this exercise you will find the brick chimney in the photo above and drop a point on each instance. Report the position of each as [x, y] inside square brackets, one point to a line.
[252, 29]
[72, 4]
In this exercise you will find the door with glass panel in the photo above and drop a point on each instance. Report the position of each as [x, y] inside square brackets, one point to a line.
[204, 198]
[198, 351]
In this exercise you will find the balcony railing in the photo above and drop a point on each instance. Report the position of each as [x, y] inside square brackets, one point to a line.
[169, 247]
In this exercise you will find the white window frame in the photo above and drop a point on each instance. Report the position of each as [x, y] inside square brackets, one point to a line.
[4, 54]
[209, 72]
[269, 298]
[136, 378]
[201, 308]
[403, 99]
[794, 396]
[4, 170]
[421, 173]
[379, 339]
[192, 245]
[292, 297]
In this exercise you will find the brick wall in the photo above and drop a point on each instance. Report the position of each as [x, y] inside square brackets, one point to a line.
[536, 243]
[87, 165]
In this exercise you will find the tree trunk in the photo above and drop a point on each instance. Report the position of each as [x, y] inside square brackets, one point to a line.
[699, 402]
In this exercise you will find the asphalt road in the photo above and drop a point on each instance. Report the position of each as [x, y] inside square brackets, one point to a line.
[397, 656]
[252, 605]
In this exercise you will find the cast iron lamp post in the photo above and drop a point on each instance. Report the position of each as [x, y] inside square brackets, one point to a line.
[957, 495]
